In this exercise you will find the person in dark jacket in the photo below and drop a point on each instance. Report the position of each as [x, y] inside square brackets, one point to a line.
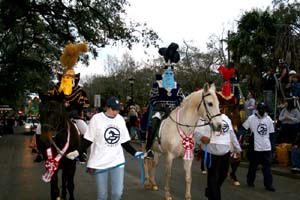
[165, 94]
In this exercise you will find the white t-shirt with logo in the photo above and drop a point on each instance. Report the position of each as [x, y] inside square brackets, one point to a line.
[261, 128]
[223, 137]
[220, 142]
[107, 135]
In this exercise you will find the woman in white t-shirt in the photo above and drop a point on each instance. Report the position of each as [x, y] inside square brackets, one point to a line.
[108, 135]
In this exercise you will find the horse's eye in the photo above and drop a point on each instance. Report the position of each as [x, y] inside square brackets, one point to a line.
[210, 104]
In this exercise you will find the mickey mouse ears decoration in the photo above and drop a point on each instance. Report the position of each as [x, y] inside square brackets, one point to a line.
[170, 55]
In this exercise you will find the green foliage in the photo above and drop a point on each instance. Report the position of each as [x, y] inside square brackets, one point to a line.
[263, 37]
[33, 34]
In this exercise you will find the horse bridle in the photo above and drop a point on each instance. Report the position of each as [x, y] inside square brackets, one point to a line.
[55, 128]
[209, 116]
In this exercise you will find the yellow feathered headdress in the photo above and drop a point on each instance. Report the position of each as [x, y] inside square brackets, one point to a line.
[70, 57]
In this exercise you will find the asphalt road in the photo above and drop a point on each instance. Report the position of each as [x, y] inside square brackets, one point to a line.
[21, 179]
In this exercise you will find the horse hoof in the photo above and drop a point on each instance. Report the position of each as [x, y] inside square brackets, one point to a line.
[154, 187]
[147, 187]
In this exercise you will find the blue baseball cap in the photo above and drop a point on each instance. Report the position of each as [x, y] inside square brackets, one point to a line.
[113, 103]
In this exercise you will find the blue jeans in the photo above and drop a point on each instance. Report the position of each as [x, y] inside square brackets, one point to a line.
[117, 183]
[295, 157]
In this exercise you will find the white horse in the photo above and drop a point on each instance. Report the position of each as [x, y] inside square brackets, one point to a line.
[176, 136]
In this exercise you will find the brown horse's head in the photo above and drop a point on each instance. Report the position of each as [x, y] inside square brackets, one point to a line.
[53, 118]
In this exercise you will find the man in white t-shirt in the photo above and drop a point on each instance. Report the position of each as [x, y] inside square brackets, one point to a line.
[216, 146]
[259, 152]
[108, 135]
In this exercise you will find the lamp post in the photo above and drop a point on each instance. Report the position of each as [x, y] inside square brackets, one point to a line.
[131, 82]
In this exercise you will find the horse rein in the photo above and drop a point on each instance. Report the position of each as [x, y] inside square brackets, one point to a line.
[51, 139]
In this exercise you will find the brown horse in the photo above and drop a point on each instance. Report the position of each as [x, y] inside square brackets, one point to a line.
[60, 137]
[230, 106]
[176, 136]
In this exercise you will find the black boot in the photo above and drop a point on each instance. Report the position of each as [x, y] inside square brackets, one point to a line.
[151, 136]
[39, 158]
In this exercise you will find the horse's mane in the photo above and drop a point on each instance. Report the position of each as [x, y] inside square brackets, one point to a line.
[190, 99]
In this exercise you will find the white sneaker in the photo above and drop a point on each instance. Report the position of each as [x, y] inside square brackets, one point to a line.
[295, 169]
[204, 172]
[236, 183]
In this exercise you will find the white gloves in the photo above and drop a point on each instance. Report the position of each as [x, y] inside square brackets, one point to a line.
[140, 153]
[72, 155]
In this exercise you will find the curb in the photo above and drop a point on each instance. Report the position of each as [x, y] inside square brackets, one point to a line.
[280, 171]
[277, 171]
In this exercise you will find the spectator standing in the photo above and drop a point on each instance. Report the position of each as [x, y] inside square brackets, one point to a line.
[217, 148]
[260, 147]
[294, 87]
[283, 77]
[107, 134]
[295, 156]
[132, 120]
[249, 105]
[269, 86]
[144, 126]
[39, 144]
[289, 118]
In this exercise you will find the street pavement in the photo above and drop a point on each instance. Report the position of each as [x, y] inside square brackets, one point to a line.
[21, 179]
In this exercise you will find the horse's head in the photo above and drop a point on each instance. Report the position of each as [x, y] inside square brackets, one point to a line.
[52, 118]
[208, 107]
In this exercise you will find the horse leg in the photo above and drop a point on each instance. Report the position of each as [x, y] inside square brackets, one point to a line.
[168, 169]
[54, 190]
[147, 184]
[150, 170]
[187, 165]
[70, 180]
[63, 184]
[153, 172]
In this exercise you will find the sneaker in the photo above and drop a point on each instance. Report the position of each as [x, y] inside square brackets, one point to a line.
[204, 172]
[236, 183]
[295, 170]
[150, 154]
[270, 188]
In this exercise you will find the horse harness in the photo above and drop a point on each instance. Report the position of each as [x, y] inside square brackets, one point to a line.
[209, 116]
[187, 140]
[51, 164]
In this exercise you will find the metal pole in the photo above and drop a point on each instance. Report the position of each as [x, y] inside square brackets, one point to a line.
[228, 51]
[131, 92]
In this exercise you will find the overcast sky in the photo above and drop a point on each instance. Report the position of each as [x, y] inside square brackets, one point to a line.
[176, 21]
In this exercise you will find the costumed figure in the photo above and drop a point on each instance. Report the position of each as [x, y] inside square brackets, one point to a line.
[229, 103]
[74, 96]
[165, 94]
[226, 73]
[68, 90]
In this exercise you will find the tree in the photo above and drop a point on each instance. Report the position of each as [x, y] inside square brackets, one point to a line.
[263, 37]
[33, 33]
